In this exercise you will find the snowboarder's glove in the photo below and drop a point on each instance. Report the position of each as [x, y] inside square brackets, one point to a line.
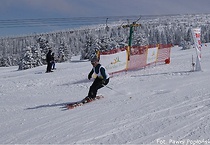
[103, 82]
[89, 76]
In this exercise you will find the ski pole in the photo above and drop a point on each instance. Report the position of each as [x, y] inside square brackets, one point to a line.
[113, 89]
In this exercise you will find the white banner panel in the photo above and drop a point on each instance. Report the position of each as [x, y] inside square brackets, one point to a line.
[114, 62]
[152, 55]
[196, 32]
[197, 40]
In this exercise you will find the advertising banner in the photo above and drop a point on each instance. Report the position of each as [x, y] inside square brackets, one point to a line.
[114, 62]
[196, 32]
[152, 55]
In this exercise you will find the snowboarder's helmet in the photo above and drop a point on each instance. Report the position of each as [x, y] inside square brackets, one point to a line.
[94, 59]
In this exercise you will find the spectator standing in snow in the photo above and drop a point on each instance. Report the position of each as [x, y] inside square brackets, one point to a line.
[53, 61]
[49, 61]
[101, 76]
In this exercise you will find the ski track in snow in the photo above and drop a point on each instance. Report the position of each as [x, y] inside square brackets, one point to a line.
[159, 102]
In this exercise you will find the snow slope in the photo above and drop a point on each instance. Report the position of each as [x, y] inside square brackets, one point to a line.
[159, 104]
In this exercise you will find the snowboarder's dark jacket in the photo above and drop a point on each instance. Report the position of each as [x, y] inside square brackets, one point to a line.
[49, 56]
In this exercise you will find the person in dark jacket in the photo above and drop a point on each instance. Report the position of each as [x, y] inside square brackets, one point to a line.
[49, 61]
[101, 78]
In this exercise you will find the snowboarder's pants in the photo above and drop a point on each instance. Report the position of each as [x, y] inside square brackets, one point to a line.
[53, 64]
[49, 66]
[97, 84]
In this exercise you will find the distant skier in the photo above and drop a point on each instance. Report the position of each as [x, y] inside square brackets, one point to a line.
[53, 61]
[49, 61]
[101, 76]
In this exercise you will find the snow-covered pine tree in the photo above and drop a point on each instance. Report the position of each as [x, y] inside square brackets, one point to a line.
[26, 61]
[63, 54]
[31, 58]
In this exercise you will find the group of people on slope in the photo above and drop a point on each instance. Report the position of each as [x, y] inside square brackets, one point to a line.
[98, 73]
[50, 58]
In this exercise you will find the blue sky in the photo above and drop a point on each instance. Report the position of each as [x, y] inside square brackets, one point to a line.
[36, 9]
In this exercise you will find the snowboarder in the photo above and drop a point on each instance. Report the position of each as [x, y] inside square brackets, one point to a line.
[49, 61]
[101, 76]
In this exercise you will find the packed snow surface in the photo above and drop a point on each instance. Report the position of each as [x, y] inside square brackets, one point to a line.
[158, 104]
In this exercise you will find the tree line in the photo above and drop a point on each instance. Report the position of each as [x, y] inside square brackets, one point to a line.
[29, 51]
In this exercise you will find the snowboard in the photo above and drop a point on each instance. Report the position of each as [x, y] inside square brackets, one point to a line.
[81, 103]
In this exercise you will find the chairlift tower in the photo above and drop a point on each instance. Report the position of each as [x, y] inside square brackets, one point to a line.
[131, 26]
